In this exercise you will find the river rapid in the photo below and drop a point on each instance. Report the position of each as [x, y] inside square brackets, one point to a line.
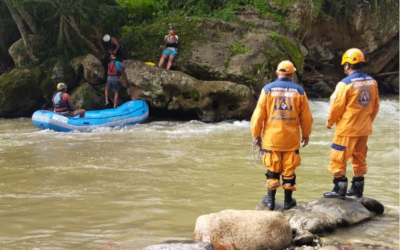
[131, 187]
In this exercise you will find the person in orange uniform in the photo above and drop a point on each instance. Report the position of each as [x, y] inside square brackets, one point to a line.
[281, 111]
[62, 102]
[354, 106]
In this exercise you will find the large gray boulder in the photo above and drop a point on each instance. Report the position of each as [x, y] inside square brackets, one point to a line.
[244, 230]
[20, 55]
[178, 92]
[313, 221]
[93, 70]
[88, 97]
[347, 212]
[240, 52]
[325, 215]
[20, 93]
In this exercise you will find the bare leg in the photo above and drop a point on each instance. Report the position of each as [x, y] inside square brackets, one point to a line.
[116, 98]
[160, 64]
[80, 112]
[171, 58]
[106, 94]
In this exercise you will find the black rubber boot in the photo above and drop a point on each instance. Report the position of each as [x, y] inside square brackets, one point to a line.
[269, 200]
[339, 190]
[289, 201]
[357, 187]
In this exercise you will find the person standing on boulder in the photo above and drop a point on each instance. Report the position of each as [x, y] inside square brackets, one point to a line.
[354, 106]
[281, 111]
[113, 71]
[115, 47]
[171, 47]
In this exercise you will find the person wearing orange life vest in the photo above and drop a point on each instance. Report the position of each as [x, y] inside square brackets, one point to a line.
[113, 71]
[62, 102]
[354, 106]
[281, 111]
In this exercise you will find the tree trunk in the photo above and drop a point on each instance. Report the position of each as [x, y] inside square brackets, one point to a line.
[71, 21]
[74, 25]
[22, 31]
[66, 36]
[28, 19]
[99, 35]
[60, 33]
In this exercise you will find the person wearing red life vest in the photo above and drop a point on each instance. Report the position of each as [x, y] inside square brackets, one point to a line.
[354, 106]
[62, 102]
[113, 71]
[281, 111]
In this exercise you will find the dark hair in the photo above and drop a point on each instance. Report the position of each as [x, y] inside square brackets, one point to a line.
[356, 66]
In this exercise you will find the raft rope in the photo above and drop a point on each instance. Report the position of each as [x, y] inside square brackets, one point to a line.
[255, 151]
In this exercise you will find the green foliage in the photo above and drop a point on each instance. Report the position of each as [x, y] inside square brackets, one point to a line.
[227, 13]
[8, 35]
[139, 10]
[237, 48]
[343, 9]
[3, 95]
[290, 48]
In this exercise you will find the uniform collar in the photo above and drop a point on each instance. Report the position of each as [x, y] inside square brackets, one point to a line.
[283, 79]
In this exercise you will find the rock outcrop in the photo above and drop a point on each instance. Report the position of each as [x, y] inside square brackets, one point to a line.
[20, 93]
[93, 69]
[244, 230]
[180, 93]
[279, 229]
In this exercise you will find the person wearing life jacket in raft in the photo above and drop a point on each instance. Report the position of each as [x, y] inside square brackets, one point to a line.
[115, 47]
[354, 106]
[171, 47]
[113, 71]
[62, 102]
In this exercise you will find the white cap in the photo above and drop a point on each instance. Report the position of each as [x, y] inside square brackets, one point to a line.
[106, 38]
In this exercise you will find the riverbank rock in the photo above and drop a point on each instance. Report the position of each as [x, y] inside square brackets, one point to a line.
[178, 93]
[88, 97]
[244, 230]
[348, 211]
[181, 245]
[325, 215]
[20, 55]
[93, 69]
[20, 93]
[246, 53]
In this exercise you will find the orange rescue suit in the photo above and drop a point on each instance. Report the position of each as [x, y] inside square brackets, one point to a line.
[281, 111]
[354, 106]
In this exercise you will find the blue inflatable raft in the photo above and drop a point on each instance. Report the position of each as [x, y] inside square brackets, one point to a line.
[129, 113]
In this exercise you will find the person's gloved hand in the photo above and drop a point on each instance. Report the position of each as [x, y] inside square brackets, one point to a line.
[257, 141]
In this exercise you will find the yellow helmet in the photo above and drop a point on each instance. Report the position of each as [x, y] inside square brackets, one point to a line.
[61, 86]
[353, 56]
[113, 57]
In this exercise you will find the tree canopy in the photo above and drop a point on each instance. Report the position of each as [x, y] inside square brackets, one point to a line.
[67, 28]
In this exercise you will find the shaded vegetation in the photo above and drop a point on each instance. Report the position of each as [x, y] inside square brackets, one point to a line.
[75, 27]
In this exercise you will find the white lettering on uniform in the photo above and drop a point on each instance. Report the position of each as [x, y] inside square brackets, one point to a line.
[286, 94]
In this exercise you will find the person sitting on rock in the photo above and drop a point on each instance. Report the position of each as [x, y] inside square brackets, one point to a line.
[171, 48]
[62, 102]
[114, 70]
[115, 47]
